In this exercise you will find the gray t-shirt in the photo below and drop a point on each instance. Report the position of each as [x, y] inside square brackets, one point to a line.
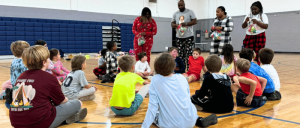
[74, 82]
[101, 61]
[187, 16]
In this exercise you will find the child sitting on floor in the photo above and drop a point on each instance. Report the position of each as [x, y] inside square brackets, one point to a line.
[142, 67]
[51, 65]
[265, 57]
[248, 54]
[196, 62]
[111, 63]
[38, 101]
[76, 81]
[59, 70]
[101, 69]
[124, 100]
[215, 90]
[169, 103]
[247, 87]
[180, 67]
[228, 60]
[17, 67]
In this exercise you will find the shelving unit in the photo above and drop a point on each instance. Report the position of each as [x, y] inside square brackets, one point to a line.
[112, 33]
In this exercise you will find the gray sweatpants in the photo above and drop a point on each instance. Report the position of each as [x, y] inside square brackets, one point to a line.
[64, 111]
[86, 92]
[82, 93]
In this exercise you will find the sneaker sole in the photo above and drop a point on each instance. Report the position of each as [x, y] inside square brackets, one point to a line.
[88, 98]
[77, 117]
[215, 121]
[210, 120]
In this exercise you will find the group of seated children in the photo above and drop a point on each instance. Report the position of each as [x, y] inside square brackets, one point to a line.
[170, 104]
[108, 65]
[44, 104]
[250, 82]
[63, 91]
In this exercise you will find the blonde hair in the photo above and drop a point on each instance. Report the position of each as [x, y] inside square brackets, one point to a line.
[34, 57]
[18, 47]
[243, 65]
[182, 17]
[126, 62]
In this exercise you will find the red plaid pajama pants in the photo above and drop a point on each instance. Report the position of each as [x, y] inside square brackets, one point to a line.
[99, 71]
[255, 42]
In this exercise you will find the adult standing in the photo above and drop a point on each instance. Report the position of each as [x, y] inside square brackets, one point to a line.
[223, 24]
[255, 40]
[184, 42]
[144, 26]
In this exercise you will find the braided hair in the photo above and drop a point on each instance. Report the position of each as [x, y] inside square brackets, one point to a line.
[258, 5]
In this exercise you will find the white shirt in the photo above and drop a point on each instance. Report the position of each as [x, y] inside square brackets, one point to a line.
[141, 67]
[170, 96]
[273, 74]
[257, 17]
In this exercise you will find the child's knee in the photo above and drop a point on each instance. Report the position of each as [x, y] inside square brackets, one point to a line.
[80, 103]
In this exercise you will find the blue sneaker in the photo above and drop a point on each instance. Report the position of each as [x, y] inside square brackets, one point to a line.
[2, 95]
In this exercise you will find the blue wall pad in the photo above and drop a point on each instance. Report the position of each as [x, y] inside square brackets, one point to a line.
[70, 36]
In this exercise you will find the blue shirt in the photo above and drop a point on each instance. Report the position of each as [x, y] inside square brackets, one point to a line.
[16, 69]
[258, 71]
[170, 96]
[180, 64]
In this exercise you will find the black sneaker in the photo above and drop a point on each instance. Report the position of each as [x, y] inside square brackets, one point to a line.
[100, 77]
[205, 122]
[275, 96]
[8, 97]
[106, 78]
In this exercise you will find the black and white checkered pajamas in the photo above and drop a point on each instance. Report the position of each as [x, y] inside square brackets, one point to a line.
[111, 63]
[217, 45]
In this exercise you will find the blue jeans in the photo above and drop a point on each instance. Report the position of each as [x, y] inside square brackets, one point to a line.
[129, 111]
[7, 105]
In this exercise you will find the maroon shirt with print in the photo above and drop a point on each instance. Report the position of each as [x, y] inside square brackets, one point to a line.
[48, 94]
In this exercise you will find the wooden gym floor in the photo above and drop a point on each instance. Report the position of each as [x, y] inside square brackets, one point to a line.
[279, 114]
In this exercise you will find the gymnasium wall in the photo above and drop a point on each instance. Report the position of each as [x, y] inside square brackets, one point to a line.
[281, 34]
[163, 8]
[242, 7]
[162, 39]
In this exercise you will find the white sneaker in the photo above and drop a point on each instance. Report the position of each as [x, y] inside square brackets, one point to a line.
[150, 77]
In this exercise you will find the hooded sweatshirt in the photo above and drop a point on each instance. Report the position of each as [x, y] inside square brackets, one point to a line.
[215, 94]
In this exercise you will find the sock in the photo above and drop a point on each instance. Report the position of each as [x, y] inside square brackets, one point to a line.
[144, 90]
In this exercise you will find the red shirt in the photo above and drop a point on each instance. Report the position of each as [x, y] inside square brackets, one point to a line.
[246, 87]
[37, 110]
[149, 28]
[196, 64]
